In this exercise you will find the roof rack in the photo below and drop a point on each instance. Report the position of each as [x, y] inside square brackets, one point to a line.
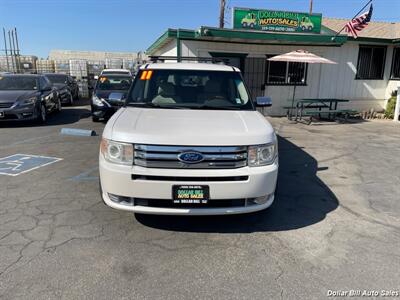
[213, 60]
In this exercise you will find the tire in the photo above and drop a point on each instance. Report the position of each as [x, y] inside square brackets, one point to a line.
[76, 96]
[303, 28]
[59, 106]
[244, 24]
[310, 28]
[251, 25]
[42, 116]
[71, 100]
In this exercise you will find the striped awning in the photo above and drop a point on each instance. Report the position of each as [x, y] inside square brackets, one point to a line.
[301, 56]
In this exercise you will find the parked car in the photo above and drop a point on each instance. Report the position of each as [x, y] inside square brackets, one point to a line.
[116, 72]
[27, 97]
[109, 95]
[189, 141]
[66, 86]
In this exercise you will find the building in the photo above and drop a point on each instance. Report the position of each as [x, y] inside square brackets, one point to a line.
[367, 70]
[91, 55]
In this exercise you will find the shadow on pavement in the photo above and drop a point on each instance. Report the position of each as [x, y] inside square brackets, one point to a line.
[68, 115]
[302, 199]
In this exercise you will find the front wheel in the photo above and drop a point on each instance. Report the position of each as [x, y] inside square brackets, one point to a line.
[58, 106]
[42, 115]
[71, 100]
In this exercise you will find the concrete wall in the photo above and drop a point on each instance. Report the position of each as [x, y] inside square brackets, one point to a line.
[336, 81]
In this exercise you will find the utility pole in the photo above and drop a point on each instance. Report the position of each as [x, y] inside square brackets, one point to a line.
[222, 14]
[18, 53]
[5, 49]
[311, 3]
[15, 52]
[11, 52]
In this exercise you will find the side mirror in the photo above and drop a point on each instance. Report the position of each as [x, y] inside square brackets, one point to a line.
[116, 97]
[264, 101]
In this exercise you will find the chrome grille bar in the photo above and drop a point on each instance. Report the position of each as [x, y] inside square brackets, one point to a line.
[157, 156]
[6, 104]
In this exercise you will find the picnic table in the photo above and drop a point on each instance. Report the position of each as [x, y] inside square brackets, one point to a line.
[321, 107]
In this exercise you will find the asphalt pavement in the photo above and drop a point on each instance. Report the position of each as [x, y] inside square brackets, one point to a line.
[334, 225]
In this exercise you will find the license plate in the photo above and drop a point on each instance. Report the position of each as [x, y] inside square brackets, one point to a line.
[190, 194]
[1, 114]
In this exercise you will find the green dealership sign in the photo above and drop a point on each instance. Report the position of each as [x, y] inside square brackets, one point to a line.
[273, 20]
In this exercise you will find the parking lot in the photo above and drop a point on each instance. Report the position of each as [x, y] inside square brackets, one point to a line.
[334, 224]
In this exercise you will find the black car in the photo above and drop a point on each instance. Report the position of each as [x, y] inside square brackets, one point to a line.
[27, 97]
[109, 95]
[66, 87]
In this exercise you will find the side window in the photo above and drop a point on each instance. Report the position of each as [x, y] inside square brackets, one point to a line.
[47, 81]
[371, 62]
[395, 74]
[42, 83]
[285, 73]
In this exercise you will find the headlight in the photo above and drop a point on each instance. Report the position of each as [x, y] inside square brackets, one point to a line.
[116, 152]
[28, 101]
[262, 155]
[97, 101]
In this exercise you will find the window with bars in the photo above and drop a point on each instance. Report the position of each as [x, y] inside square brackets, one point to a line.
[395, 73]
[371, 62]
[285, 73]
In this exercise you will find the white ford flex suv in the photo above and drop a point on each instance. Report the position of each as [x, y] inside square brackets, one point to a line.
[189, 141]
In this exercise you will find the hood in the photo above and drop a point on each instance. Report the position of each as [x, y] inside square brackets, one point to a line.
[59, 85]
[189, 127]
[105, 94]
[13, 96]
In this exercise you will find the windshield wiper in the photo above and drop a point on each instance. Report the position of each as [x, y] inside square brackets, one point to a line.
[154, 105]
[205, 106]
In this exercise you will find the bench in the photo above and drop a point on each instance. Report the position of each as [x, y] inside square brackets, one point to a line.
[327, 112]
[345, 112]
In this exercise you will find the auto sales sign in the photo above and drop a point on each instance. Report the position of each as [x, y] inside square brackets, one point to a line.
[274, 20]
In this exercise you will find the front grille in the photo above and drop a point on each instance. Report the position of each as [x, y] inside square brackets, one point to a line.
[225, 157]
[6, 104]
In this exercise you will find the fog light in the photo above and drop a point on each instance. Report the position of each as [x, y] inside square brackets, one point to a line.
[120, 199]
[259, 200]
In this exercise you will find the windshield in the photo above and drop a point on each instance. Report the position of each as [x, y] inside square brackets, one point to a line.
[190, 89]
[12, 83]
[114, 82]
[57, 78]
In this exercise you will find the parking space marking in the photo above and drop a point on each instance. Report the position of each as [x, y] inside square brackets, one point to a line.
[17, 164]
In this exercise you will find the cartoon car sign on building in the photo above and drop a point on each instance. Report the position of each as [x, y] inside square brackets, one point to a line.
[306, 24]
[250, 20]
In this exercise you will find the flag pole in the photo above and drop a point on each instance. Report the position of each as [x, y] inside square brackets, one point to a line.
[361, 10]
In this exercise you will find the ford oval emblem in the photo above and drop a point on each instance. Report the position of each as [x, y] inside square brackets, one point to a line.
[191, 157]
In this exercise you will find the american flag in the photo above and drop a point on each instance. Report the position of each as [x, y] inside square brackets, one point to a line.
[359, 23]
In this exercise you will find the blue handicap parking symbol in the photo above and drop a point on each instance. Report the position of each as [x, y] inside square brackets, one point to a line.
[21, 163]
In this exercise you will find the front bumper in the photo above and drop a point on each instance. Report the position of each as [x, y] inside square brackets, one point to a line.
[117, 180]
[18, 113]
[103, 111]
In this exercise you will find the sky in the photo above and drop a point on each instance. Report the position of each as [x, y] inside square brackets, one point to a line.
[133, 25]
